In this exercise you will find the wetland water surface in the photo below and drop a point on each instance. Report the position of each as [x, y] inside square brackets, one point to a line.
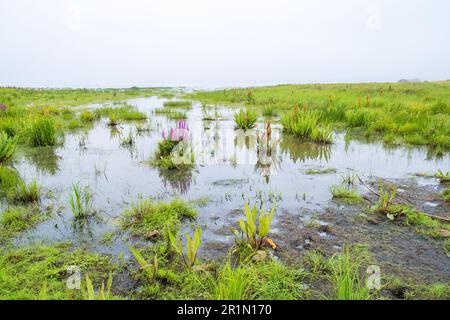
[228, 171]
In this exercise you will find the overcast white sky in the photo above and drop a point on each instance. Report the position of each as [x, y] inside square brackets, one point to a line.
[209, 43]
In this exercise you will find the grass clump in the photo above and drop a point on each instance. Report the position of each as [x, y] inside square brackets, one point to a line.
[233, 283]
[245, 119]
[17, 219]
[178, 104]
[9, 180]
[41, 271]
[385, 204]
[300, 123]
[171, 114]
[147, 218]
[443, 177]
[266, 280]
[269, 111]
[7, 147]
[304, 124]
[26, 193]
[345, 276]
[446, 195]
[42, 132]
[322, 135]
[88, 116]
[120, 112]
[80, 201]
[321, 171]
[345, 194]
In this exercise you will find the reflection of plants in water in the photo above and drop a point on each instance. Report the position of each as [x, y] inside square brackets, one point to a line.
[179, 180]
[44, 158]
[267, 153]
[303, 151]
[114, 132]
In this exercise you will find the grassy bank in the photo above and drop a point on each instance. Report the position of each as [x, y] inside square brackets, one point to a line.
[397, 113]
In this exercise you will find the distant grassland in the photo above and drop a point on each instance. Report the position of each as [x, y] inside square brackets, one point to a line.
[411, 113]
[19, 97]
[39, 116]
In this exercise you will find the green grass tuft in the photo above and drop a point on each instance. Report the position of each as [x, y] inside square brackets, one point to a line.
[146, 217]
[245, 119]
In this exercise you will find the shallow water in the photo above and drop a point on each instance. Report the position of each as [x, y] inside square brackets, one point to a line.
[227, 171]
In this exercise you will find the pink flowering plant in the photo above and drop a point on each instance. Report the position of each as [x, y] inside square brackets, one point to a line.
[171, 139]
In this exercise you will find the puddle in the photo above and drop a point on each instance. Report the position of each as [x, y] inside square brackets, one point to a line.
[227, 171]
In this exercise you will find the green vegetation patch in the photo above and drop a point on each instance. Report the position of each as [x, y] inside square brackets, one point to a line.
[14, 220]
[149, 219]
[245, 119]
[178, 104]
[406, 113]
[321, 171]
[25, 271]
[346, 195]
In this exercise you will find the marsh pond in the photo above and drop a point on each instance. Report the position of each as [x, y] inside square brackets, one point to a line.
[166, 194]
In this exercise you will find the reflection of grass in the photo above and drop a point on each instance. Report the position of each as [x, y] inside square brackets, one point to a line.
[44, 158]
[179, 179]
[304, 151]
